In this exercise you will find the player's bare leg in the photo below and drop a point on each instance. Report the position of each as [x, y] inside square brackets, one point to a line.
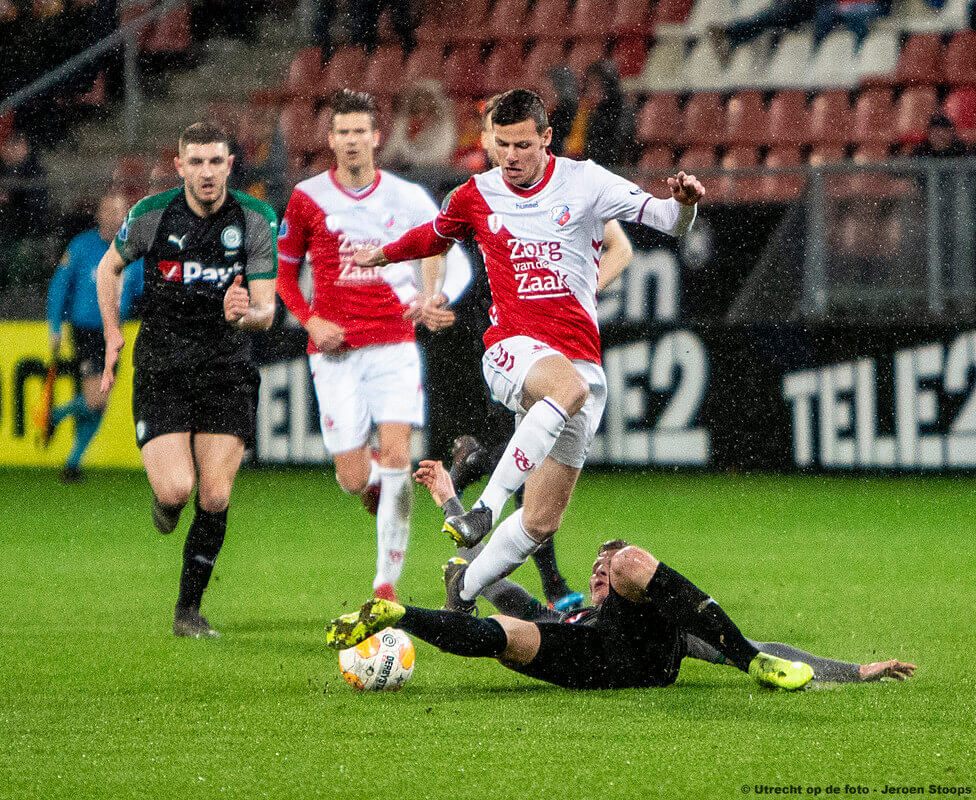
[168, 460]
[393, 510]
[553, 391]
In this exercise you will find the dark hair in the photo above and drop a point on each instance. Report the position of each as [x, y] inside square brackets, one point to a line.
[204, 133]
[346, 101]
[489, 105]
[518, 106]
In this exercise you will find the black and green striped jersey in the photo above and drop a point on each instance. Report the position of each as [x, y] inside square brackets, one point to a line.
[189, 261]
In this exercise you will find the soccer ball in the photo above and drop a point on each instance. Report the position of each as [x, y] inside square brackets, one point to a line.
[383, 662]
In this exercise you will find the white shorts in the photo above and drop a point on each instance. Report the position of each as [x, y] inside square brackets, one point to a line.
[366, 386]
[505, 366]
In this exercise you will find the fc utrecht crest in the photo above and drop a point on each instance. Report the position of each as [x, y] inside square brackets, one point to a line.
[494, 223]
[559, 215]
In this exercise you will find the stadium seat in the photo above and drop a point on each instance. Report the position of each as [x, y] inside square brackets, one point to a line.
[426, 61]
[584, 53]
[661, 69]
[960, 59]
[706, 14]
[921, 60]
[788, 121]
[6, 126]
[789, 67]
[671, 12]
[632, 18]
[656, 158]
[95, 98]
[697, 158]
[748, 68]
[833, 64]
[470, 22]
[742, 188]
[436, 22]
[163, 175]
[830, 119]
[877, 60]
[912, 113]
[131, 177]
[171, 33]
[305, 73]
[960, 107]
[547, 20]
[506, 21]
[784, 186]
[873, 117]
[704, 121]
[384, 73]
[872, 152]
[541, 58]
[745, 118]
[659, 120]
[345, 70]
[701, 70]
[590, 19]
[297, 127]
[503, 68]
[463, 72]
[630, 53]
[826, 154]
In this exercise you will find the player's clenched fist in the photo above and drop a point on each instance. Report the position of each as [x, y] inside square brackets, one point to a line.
[686, 189]
[370, 257]
[237, 301]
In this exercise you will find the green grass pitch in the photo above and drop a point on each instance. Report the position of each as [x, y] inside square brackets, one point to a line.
[98, 700]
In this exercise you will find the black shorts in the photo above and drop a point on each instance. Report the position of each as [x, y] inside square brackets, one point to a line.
[209, 400]
[628, 645]
[89, 351]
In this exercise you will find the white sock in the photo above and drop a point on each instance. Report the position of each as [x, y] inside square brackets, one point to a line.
[529, 445]
[392, 524]
[374, 473]
[509, 547]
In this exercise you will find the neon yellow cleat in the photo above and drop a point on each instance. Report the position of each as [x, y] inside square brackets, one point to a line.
[779, 673]
[350, 629]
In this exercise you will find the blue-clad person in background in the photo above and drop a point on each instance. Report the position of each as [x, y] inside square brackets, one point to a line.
[72, 297]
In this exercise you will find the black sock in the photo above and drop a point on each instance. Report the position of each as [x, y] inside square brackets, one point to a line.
[680, 600]
[203, 543]
[553, 584]
[456, 633]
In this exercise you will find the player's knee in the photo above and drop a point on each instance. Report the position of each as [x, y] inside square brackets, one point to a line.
[213, 501]
[351, 483]
[574, 394]
[631, 569]
[175, 492]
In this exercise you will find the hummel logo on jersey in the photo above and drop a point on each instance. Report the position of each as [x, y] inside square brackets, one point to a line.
[177, 240]
[532, 204]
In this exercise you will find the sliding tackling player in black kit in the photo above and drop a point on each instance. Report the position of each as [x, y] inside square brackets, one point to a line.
[210, 264]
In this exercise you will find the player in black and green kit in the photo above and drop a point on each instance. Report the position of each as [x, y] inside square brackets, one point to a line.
[210, 264]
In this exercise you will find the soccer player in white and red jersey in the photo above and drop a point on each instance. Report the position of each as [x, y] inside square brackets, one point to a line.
[538, 220]
[362, 353]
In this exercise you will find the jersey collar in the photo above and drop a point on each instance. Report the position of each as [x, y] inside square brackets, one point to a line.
[355, 195]
[539, 185]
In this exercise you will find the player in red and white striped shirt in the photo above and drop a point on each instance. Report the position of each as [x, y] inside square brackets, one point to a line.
[539, 221]
[362, 354]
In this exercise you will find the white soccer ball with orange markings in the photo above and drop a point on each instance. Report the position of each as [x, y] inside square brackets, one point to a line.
[381, 663]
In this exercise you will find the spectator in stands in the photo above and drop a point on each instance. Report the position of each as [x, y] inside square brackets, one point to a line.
[783, 15]
[604, 123]
[266, 158]
[364, 18]
[942, 140]
[23, 189]
[423, 133]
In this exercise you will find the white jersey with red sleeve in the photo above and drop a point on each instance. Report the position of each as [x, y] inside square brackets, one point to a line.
[329, 222]
[541, 246]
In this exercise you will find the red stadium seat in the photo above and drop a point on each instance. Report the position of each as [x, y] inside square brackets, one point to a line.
[305, 73]
[745, 119]
[830, 118]
[163, 175]
[743, 188]
[297, 127]
[436, 22]
[345, 70]
[872, 152]
[547, 20]
[96, 97]
[463, 72]
[632, 18]
[656, 158]
[6, 126]
[630, 53]
[827, 154]
[921, 60]
[426, 61]
[171, 33]
[912, 113]
[503, 68]
[785, 186]
[507, 21]
[584, 53]
[131, 177]
[704, 121]
[659, 120]
[873, 117]
[788, 121]
[384, 73]
[960, 59]
[541, 58]
[672, 12]
[470, 23]
[697, 158]
[590, 19]
[960, 107]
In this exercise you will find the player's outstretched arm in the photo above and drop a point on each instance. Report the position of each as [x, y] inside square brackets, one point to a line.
[437, 480]
[108, 284]
[893, 668]
[420, 242]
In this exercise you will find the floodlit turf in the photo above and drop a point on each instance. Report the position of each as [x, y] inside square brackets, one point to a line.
[99, 700]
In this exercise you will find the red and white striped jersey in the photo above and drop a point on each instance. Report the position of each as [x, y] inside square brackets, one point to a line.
[541, 246]
[329, 222]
